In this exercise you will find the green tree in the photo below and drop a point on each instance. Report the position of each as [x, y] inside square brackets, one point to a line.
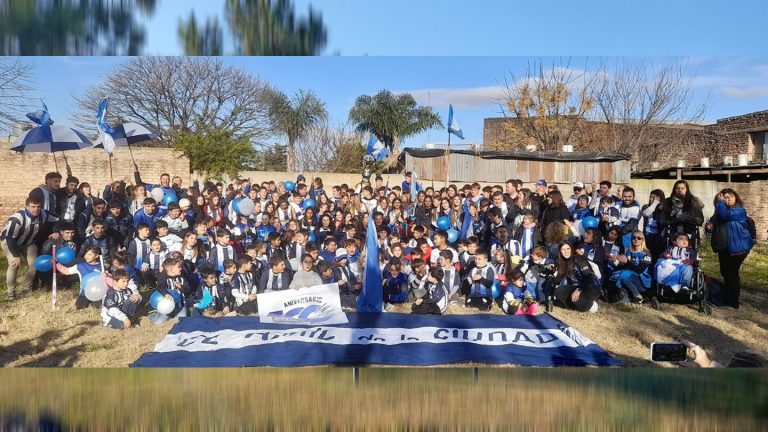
[215, 152]
[392, 118]
[295, 116]
[270, 158]
[205, 41]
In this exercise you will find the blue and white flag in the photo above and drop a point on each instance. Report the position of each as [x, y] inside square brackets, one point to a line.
[376, 149]
[453, 125]
[466, 226]
[372, 295]
[414, 187]
[105, 130]
[670, 272]
[377, 338]
[41, 117]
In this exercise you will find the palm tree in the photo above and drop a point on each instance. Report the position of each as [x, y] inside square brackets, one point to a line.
[294, 117]
[392, 117]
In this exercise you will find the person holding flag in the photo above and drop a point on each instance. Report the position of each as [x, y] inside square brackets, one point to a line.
[106, 133]
[371, 296]
[453, 128]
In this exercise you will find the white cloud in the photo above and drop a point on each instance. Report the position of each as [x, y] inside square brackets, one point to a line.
[744, 92]
[474, 97]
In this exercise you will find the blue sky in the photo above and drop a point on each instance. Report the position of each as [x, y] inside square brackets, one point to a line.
[512, 27]
[733, 85]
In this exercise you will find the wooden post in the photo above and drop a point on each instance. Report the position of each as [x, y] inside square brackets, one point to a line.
[355, 376]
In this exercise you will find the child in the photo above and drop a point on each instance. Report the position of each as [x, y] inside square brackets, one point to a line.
[277, 278]
[517, 300]
[329, 249]
[675, 266]
[138, 249]
[353, 256]
[258, 259]
[90, 264]
[175, 220]
[222, 251]
[211, 298]
[503, 242]
[435, 300]
[528, 235]
[225, 277]
[274, 243]
[152, 268]
[395, 284]
[419, 232]
[417, 279]
[98, 238]
[66, 238]
[536, 268]
[244, 232]
[172, 285]
[171, 242]
[325, 269]
[451, 278]
[467, 257]
[608, 214]
[477, 287]
[243, 287]
[297, 249]
[121, 303]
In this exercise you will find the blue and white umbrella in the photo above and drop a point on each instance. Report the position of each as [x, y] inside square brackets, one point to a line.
[128, 133]
[49, 139]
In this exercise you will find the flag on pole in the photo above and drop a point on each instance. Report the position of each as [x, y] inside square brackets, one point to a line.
[371, 296]
[105, 130]
[453, 125]
[41, 117]
[376, 149]
[414, 188]
[467, 224]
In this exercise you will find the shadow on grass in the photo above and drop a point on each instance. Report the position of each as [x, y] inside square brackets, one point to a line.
[48, 339]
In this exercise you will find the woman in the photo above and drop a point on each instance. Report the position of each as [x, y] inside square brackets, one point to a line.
[553, 237]
[633, 269]
[681, 212]
[732, 240]
[651, 213]
[138, 193]
[192, 249]
[309, 221]
[576, 286]
[214, 210]
[522, 206]
[555, 211]
[591, 248]
[324, 230]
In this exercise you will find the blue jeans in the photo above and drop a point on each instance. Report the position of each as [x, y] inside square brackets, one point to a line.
[686, 275]
[632, 282]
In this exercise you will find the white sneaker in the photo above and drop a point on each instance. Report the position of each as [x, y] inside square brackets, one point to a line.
[593, 309]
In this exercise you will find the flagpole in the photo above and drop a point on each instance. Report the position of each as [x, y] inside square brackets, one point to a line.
[111, 177]
[54, 296]
[448, 161]
[55, 162]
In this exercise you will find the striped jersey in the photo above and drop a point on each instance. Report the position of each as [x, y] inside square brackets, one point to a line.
[22, 228]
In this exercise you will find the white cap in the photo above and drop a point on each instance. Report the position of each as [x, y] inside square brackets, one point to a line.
[184, 203]
[578, 185]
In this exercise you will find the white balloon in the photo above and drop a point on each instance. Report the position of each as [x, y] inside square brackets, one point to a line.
[165, 306]
[96, 289]
[245, 206]
[157, 194]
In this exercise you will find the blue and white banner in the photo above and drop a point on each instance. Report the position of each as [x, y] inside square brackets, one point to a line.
[453, 125]
[377, 149]
[377, 338]
[105, 130]
[306, 306]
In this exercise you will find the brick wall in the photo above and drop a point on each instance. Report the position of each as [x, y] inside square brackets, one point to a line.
[23, 172]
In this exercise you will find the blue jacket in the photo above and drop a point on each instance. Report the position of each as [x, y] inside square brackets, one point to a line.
[735, 220]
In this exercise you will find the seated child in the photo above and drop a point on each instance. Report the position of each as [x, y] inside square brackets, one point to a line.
[435, 300]
[244, 288]
[90, 264]
[675, 265]
[172, 285]
[66, 238]
[536, 268]
[607, 214]
[517, 300]
[325, 270]
[211, 298]
[121, 303]
[478, 285]
[395, 284]
[417, 279]
[171, 241]
[256, 252]
[154, 264]
[221, 251]
[467, 257]
[346, 279]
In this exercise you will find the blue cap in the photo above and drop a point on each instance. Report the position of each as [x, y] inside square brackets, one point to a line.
[541, 182]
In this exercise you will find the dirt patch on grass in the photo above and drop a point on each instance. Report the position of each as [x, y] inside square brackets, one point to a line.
[31, 334]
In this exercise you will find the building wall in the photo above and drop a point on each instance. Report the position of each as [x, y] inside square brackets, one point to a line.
[22, 172]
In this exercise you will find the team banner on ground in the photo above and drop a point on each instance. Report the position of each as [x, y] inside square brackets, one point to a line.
[318, 305]
[376, 338]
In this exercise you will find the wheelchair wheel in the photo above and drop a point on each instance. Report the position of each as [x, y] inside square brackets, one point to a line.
[705, 308]
[655, 303]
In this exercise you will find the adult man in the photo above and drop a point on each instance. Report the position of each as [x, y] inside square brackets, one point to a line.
[149, 214]
[511, 189]
[629, 215]
[45, 194]
[18, 240]
[84, 221]
[441, 244]
[578, 190]
[540, 196]
[165, 181]
[67, 199]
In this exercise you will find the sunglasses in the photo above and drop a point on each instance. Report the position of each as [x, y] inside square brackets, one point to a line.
[637, 238]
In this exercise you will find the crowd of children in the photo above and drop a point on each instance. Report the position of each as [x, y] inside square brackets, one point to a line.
[516, 248]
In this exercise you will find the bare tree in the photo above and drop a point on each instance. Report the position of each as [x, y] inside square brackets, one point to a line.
[179, 95]
[643, 107]
[546, 106]
[15, 84]
[319, 149]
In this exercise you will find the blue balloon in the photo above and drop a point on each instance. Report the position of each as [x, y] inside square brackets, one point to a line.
[169, 198]
[496, 289]
[289, 186]
[235, 204]
[309, 202]
[65, 256]
[312, 237]
[44, 263]
[453, 235]
[589, 222]
[443, 222]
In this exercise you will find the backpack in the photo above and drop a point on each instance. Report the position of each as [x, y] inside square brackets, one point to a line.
[752, 229]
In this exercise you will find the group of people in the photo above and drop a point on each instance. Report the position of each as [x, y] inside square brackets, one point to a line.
[521, 249]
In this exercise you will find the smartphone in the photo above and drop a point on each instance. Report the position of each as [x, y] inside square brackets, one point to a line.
[668, 352]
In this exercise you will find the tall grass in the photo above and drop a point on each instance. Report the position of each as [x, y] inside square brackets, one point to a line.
[434, 399]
